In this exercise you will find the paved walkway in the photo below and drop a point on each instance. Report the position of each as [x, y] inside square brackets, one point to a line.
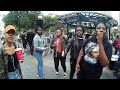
[29, 68]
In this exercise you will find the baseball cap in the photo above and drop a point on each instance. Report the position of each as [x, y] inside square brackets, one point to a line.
[9, 27]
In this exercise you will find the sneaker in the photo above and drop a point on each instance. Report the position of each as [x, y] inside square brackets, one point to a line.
[64, 75]
[37, 75]
[56, 74]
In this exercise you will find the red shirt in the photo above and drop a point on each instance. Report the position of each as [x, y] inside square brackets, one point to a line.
[58, 48]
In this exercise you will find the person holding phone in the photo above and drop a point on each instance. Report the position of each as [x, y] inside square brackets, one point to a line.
[58, 44]
[94, 55]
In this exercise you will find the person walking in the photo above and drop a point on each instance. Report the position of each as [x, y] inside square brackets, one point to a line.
[95, 54]
[117, 43]
[30, 36]
[58, 44]
[24, 39]
[74, 45]
[39, 48]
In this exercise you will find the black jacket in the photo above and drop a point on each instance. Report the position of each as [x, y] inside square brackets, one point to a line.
[74, 46]
[63, 40]
[30, 36]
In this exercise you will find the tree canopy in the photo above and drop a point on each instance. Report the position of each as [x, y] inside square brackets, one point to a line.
[21, 19]
[24, 20]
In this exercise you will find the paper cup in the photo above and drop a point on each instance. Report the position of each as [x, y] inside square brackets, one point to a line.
[19, 54]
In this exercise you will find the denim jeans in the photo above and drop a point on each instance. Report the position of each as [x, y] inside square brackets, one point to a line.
[14, 75]
[40, 64]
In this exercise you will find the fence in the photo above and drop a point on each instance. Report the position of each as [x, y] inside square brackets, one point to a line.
[47, 42]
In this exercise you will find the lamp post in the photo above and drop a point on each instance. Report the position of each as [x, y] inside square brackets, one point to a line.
[39, 21]
[19, 22]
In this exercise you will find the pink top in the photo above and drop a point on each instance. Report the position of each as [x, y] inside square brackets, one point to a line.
[116, 43]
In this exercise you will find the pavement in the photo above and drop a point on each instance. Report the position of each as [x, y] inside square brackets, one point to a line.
[29, 68]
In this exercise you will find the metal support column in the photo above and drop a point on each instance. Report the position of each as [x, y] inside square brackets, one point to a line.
[109, 33]
[67, 30]
[19, 24]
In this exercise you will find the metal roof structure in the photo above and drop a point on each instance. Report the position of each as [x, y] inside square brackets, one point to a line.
[87, 19]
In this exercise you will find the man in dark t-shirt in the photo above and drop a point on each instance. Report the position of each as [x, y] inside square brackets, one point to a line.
[94, 55]
[30, 36]
[24, 39]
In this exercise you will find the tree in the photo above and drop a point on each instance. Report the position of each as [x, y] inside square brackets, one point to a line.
[22, 20]
[51, 23]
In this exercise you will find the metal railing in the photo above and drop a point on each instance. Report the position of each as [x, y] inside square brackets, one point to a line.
[47, 42]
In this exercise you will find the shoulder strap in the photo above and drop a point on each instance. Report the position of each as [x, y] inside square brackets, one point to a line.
[16, 46]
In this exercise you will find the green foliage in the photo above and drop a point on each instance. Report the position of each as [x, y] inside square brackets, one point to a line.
[114, 33]
[25, 20]
[21, 19]
[52, 24]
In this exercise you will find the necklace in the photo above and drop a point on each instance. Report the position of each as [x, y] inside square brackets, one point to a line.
[9, 50]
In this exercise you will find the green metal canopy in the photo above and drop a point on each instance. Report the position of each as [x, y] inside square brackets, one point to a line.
[87, 19]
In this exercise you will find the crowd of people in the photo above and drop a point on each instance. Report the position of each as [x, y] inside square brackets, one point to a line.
[88, 55]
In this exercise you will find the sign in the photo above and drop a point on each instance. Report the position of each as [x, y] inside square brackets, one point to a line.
[88, 24]
[71, 19]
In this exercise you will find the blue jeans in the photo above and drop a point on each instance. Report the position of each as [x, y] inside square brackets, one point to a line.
[14, 75]
[40, 64]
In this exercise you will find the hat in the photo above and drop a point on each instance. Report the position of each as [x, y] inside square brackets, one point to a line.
[9, 27]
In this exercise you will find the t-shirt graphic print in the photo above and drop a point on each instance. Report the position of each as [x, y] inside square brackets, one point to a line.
[91, 53]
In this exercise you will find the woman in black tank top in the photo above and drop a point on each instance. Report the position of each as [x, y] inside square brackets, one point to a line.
[11, 66]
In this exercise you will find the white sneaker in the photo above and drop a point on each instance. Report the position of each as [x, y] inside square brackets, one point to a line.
[64, 75]
[37, 75]
[56, 74]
